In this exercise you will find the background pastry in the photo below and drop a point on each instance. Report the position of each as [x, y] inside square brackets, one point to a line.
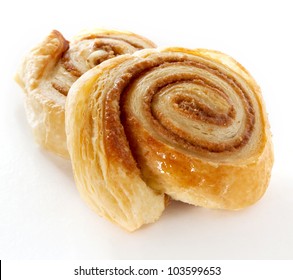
[50, 69]
[188, 123]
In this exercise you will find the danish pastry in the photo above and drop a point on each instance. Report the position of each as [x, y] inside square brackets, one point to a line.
[187, 123]
[50, 69]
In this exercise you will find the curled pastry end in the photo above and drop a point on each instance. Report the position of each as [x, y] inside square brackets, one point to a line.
[49, 70]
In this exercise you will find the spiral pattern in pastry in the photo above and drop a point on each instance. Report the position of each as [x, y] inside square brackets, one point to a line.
[50, 69]
[187, 123]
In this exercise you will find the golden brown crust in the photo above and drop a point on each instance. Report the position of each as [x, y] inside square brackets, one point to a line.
[50, 69]
[187, 123]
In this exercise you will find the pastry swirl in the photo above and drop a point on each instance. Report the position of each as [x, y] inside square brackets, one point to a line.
[187, 123]
[50, 69]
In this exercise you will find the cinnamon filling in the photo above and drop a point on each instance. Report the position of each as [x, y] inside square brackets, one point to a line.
[61, 89]
[128, 41]
[68, 65]
[198, 111]
[201, 112]
[116, 127]
[101, 51]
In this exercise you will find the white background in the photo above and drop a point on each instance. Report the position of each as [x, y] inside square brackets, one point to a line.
[41, 213]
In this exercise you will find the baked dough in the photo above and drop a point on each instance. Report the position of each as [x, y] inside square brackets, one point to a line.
[50, 69]
[187, 123]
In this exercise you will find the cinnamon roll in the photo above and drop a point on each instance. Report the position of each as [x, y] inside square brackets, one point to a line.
[50, 69]
[187, 123]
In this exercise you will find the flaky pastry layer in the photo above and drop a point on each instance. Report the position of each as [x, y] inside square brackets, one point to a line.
[48, 71]
[187, 123]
